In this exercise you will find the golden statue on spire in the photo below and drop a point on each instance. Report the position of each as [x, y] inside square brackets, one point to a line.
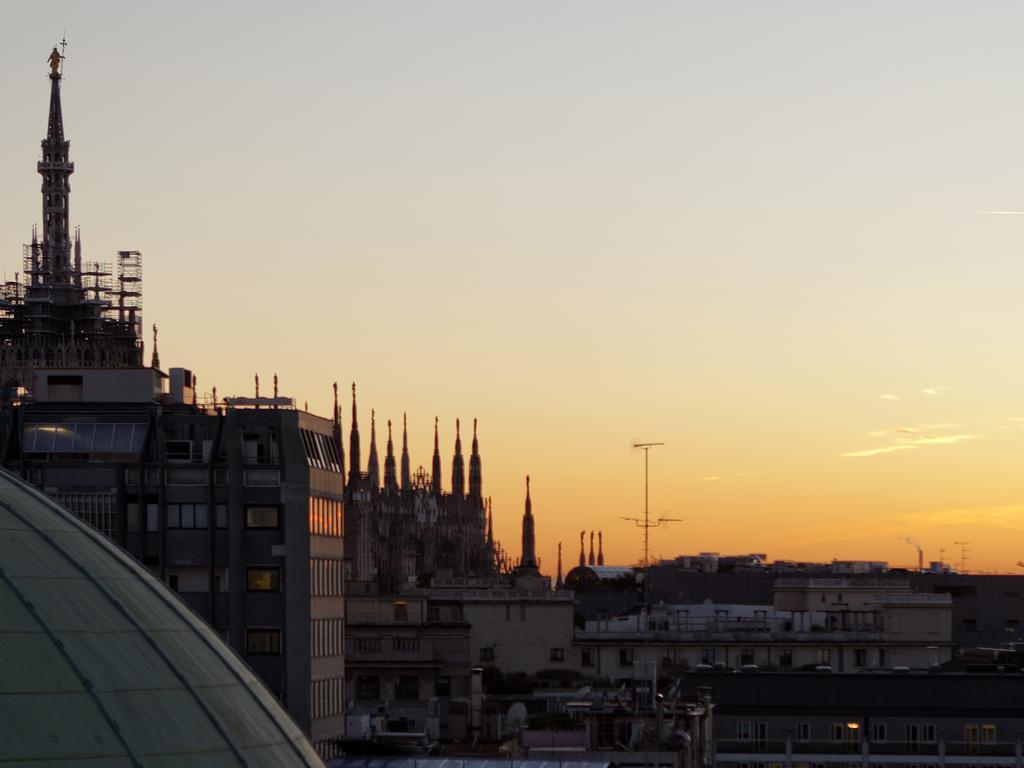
[55, 59]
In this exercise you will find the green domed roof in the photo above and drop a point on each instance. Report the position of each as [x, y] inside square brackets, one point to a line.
[102, 665]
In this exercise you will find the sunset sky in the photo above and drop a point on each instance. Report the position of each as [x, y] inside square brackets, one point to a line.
[783, 238]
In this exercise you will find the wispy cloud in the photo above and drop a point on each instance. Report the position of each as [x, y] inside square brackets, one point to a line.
[1003, 515]
[878, 451]
[712, 477]
[907, 438]
[888, 396]
[1001, 213]
[934, 391]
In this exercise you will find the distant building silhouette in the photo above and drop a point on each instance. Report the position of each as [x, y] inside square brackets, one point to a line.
[401, 532]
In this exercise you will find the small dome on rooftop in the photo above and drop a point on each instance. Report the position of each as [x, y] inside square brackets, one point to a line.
[101, 664]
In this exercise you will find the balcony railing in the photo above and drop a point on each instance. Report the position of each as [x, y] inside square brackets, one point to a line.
[924, 752]
[997, 748]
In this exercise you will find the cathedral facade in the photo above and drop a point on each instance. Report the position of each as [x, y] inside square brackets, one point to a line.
[403, 529]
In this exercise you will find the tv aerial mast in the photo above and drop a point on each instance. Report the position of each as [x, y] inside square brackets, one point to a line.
[645, 522]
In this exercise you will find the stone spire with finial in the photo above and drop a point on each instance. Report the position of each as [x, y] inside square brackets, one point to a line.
[373, 463]
[529, 558]
[435, 477]
[458, 467]
[558, 580]
[353, 445]
[476, 485]
[406, 471]
[155, 362]
[390, 473]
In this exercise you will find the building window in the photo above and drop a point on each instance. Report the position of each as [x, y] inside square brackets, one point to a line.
[522, 613]
[587, 657]
[407, 688]
[786, 658]
[368, 688]
[261, 517]
[988, 733]
[836, 731]
[187, 516]
[97, 509]
[443, 686]
[707, 656]
[221, 516]
[746, 656]
[263, 642]
[803, 732]
[401, 613]
[626, 657]
[487, 654]
[744, 731]
[860, 657]
[878, 732]
[970, 625]
[557, 654]
[263, 579]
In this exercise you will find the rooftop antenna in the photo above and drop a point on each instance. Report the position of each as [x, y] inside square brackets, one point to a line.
[646, 523]
[964, 554]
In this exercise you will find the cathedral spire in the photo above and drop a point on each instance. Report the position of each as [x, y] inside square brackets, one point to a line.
[583, 557]
[529, 558]
[559, 583]
[56, 169]
[155, 363]
[590, 559]
[406, 474]
[476, 490]
[353, 445]
[390, 475]
[435, 476]
[600, 548]
[373, 463]
[458, 467]
[490, 525]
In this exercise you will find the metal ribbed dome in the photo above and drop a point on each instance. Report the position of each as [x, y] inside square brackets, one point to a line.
[102, 665]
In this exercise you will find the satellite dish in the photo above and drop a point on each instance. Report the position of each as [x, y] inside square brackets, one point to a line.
[516, 716]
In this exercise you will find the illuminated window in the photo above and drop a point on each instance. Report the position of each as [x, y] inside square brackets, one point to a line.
[263, 642]
[263, 579]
